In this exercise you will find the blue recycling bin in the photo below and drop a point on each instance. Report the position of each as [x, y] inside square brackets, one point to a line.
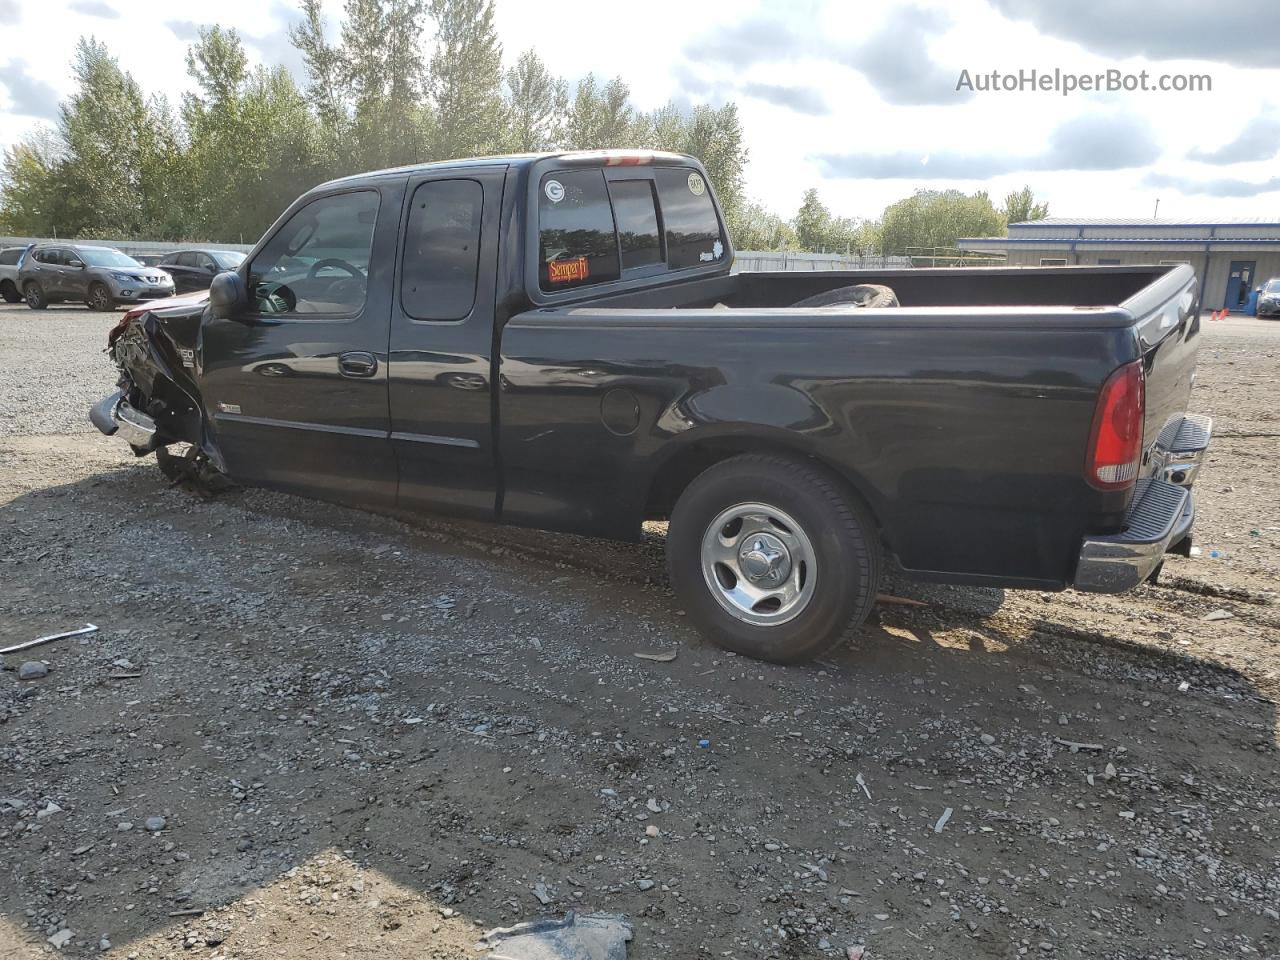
[1250, 308]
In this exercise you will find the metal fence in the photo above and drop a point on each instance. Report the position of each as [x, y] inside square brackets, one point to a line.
[131, 247]
[745, 261]
[750, 261]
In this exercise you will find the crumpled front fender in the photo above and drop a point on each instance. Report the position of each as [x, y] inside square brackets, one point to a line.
[155, 384]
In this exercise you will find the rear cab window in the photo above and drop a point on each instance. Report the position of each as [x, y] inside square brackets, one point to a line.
[598, 225]
[10, 256]
[442, 250]
[577, 240]
[689, 217]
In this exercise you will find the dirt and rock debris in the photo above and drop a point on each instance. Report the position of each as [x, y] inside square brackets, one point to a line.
[303, 731]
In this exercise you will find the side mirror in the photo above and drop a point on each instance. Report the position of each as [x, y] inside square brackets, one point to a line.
[76, 264]
[228, 296]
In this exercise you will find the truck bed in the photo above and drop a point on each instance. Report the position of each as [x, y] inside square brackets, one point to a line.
[962, 416]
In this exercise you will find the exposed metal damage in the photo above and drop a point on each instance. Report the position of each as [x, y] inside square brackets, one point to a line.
[156, 403]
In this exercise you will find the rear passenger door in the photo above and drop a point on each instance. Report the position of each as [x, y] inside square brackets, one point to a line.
[47, 264]
[441, 342]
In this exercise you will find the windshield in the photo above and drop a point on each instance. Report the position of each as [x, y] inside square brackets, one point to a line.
[227, 259]
[1272, 286]
[103, 257]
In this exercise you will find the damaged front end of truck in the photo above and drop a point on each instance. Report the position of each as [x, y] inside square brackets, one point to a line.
[156, 403]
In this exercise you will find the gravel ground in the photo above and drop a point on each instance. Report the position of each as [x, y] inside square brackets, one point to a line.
[303, 731]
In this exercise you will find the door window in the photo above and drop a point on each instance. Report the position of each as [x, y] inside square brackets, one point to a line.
[442, 250]
[52, 257]
[205, 262]
[317, 264]
[186, 259]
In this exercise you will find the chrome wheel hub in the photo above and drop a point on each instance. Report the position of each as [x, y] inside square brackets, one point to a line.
[764, 559]
[758, 563]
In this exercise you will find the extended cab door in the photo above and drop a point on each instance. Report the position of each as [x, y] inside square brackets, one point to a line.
[297, 389]
[442, 327]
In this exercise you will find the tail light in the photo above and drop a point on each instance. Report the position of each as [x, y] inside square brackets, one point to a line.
[1115, 442]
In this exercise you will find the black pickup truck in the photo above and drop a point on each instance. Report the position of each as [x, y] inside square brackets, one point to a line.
[559, 341]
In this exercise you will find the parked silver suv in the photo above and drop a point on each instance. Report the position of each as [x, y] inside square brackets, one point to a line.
[99, 276]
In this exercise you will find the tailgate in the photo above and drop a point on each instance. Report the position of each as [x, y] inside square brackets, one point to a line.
[1168, 330]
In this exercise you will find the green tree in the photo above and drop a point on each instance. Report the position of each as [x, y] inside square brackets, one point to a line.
[386, 82]
[30, 195]
[665, 128]
[932, 218]
[602, 118]
[466, 79]
[537, 103]
[812, 222]
[1020, 205]
[326, 80]
[254, 145]
[715, 136]
[755, 227]
[368, 92]
[817, 231]
[110, 136]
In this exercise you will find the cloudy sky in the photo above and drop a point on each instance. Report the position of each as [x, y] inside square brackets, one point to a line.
[857, 99]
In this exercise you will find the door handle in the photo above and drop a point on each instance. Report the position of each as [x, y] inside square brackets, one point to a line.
[358, 364]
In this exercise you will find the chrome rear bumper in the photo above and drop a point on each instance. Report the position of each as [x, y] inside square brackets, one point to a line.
[113, 415]
[1160, 515]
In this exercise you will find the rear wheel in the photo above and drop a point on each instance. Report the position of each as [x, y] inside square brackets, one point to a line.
[35, 295]
[773, 558]
[100, 297]
[9, 290]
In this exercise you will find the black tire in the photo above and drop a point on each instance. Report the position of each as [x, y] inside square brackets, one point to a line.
[175, 468]
[838, 529]
[35, 296]
[100, 298]
[9, 291]
[860, 295]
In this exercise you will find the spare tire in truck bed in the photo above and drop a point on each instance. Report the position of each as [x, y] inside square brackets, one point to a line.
[859, 295]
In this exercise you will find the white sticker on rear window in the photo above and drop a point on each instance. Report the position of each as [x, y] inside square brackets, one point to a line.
[554, 191]
[696, 186]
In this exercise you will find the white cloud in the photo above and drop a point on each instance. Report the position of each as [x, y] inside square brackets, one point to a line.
[807, 88]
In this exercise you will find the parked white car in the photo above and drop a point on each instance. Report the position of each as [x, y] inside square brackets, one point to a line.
[9, 259]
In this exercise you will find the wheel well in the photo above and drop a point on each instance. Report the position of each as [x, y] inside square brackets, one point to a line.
[7, 284]
[678, 472]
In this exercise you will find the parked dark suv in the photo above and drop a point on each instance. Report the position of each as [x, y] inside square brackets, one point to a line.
[98, 276]
[194, 269]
